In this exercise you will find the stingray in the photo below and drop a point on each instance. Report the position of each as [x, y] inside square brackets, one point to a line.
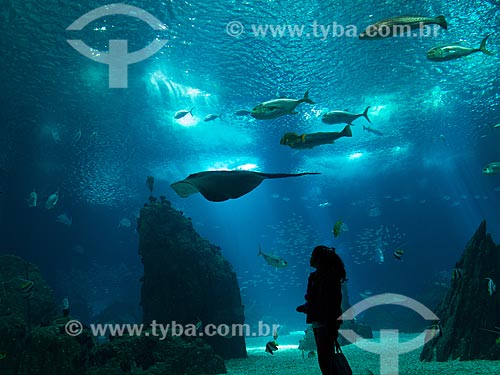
[219, 186]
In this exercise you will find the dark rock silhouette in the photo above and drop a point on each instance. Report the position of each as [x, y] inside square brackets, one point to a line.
[186, 279]
[469, 313]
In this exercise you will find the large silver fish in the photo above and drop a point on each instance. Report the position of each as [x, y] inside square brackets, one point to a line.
[454, 51]
[400, 25]
[343, 117]
[278, 107]
[273, 260]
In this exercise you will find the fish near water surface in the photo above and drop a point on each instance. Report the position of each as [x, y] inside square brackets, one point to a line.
[400, 26]
[369, 129]
[454, 51]
[278, 107]
[308, 141]
[183, 112]
[344, 117]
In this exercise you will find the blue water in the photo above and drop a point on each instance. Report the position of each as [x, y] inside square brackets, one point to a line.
[419, 186]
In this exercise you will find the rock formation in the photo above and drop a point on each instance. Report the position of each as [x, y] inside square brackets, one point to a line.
[469, 313]
[186, 279]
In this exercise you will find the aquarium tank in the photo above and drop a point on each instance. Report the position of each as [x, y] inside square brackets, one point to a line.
[168, 167]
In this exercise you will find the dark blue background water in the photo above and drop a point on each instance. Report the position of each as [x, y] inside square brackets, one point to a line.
[420, 185]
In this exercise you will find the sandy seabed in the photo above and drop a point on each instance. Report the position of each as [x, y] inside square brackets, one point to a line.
[289, 360]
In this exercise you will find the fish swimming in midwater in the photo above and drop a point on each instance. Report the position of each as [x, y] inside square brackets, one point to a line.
[212, 117]
[273, 260]
[242, 112]
[271, 347]
[454, 51]
[491, 286]
[456, 273]
[27, 286]
[56, 136]
[369, 129]
[400, 26]
[433, 331]
[398, 253]
[32, 199]
[492, 168]
[64, 219]
[337, 228]
[278, 107]
[183, 112]
[52, 201]
[304, 141]
[343, 117]
[77, 136]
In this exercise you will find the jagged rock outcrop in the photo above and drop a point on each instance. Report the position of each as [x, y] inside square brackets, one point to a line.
[147, 355]
[186, 279]
[33, 339]
[468, 313]
[25, 301]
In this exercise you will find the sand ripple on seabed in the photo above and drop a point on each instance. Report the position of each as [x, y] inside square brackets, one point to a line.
[290, 362]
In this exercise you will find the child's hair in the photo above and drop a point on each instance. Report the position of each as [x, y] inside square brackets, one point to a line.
[328, 259]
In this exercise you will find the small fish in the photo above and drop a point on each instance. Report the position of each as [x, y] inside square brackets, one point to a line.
[273, 260]
[26, 286]
[325, 204]
[497, 126]
[275, 334]
[64, 219]
[32, 199]
[242, 112]
[492, 168]
[52, 201]
[369, 129]
[55, 136]
[150, 183]
[199, 325]
[400, 26]
[311, 354]
[398, 253]
[180, 114]
[452, 52]
[456, 273]
[343, 117]
[124, 223]
[433, 331]
[3, 355]
[65, 304]
[491, 286]
[77, 136]
[212, 117]
[271, 347]
[337, 228]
